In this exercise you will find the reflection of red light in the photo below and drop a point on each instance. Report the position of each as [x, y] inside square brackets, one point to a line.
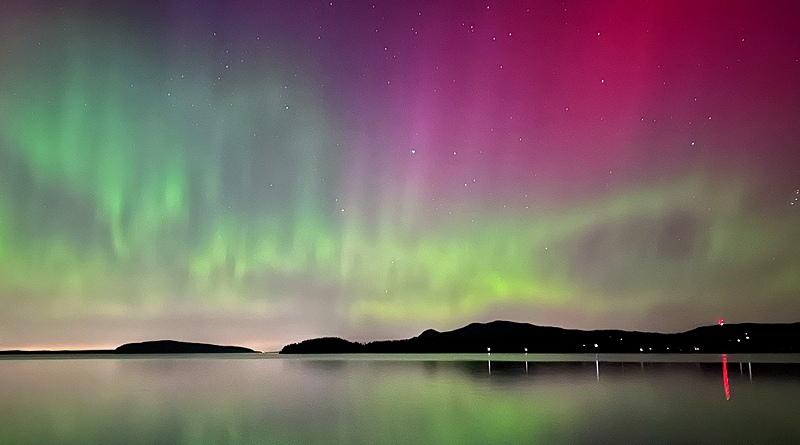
[721, 322]
[725, 377]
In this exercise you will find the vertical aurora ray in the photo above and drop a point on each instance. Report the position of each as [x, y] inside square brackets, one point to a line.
[340, 167]
[170, 184]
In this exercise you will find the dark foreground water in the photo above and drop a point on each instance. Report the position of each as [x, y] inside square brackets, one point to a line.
[401, 399]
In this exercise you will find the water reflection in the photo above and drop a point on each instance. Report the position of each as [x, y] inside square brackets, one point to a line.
[498, 369]
[725, 377]
[429, 399]
[597, 367]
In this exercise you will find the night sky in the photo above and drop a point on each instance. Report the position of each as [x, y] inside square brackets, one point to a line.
[256, 172]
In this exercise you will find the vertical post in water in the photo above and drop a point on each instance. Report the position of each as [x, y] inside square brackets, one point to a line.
[489, 359]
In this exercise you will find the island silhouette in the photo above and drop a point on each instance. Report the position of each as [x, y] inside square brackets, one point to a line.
[509, 337]
[148, 347]
[178, 347]
[513, 337]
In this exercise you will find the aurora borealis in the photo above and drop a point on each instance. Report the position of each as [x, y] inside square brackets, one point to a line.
[260, 172]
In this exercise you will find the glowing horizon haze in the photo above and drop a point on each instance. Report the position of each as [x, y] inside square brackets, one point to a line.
[257, 173]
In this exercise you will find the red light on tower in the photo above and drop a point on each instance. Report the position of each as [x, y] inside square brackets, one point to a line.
[721, 322]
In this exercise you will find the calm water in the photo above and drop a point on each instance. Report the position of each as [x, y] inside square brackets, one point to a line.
[400, 399]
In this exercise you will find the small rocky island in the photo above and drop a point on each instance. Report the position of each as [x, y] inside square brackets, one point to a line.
[178, 347]
[513, 337]
[148, 347]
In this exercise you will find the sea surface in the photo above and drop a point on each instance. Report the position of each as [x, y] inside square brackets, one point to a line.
[400, 399]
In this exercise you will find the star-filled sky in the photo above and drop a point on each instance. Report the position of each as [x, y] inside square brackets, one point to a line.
[259, 172]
